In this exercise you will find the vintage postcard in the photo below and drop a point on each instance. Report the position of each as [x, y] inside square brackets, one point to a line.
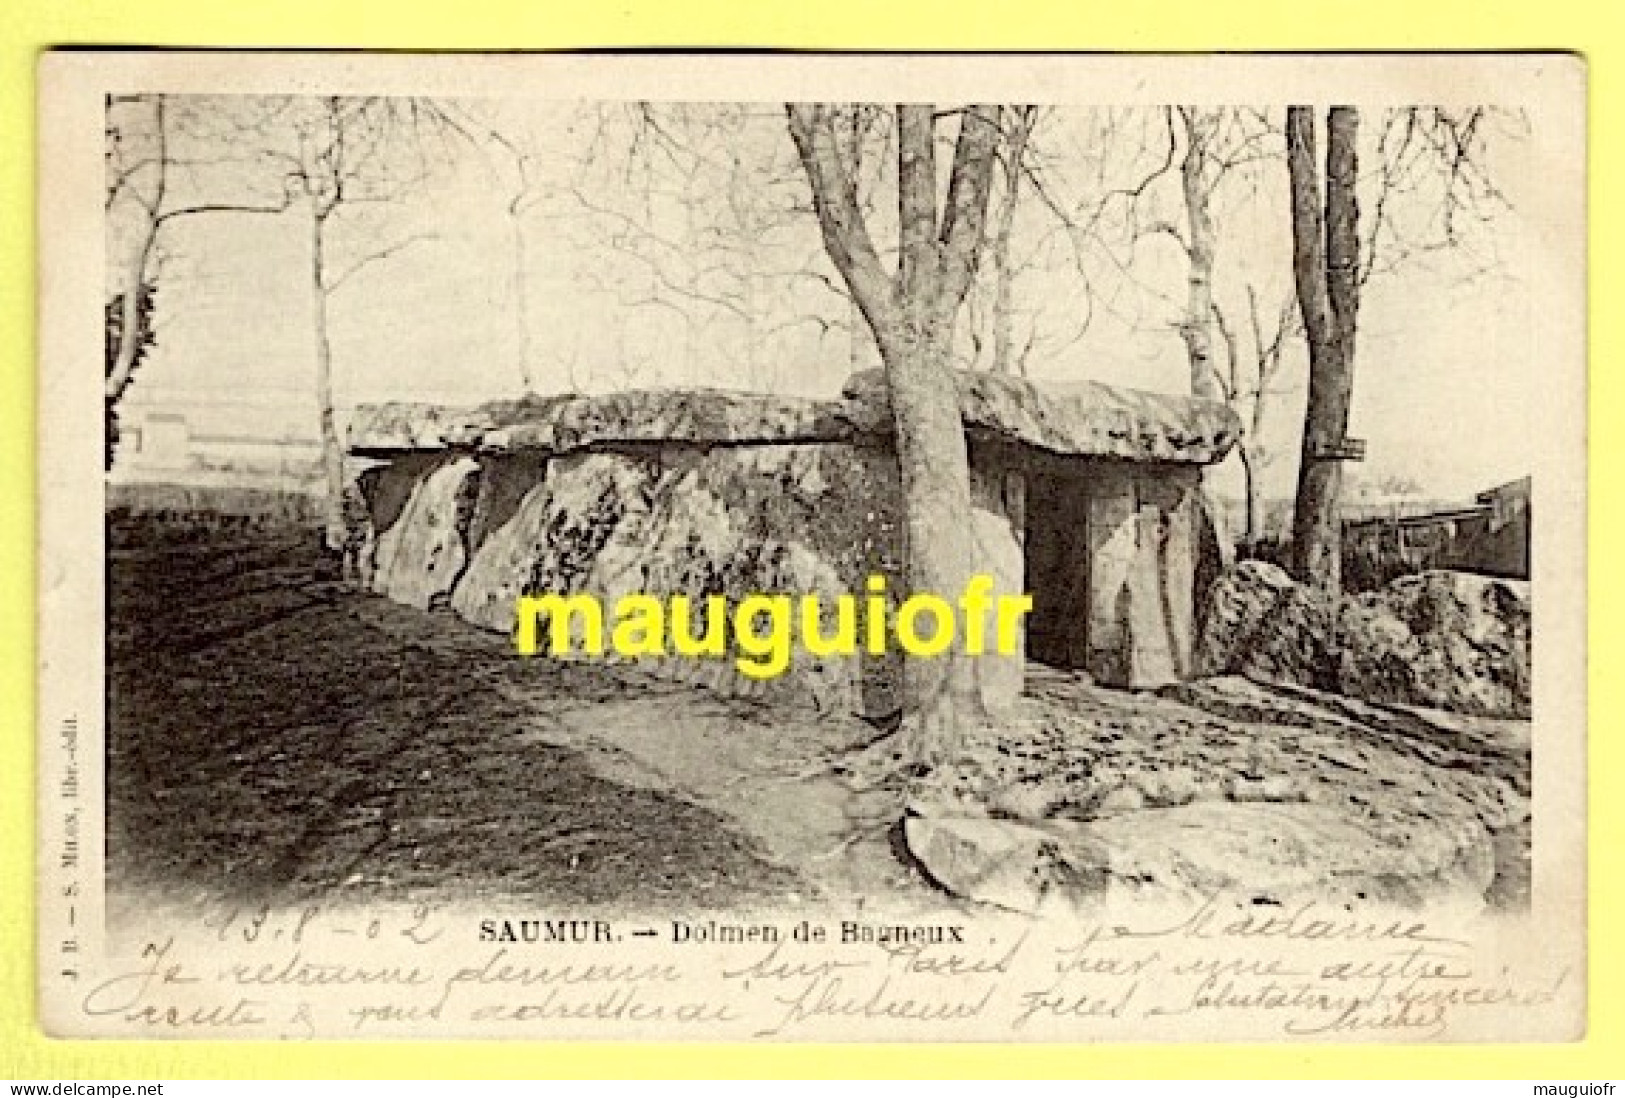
[812, 548]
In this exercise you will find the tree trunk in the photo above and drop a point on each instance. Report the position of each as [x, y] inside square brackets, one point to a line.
[521, 316]
[1254, 532]
[931, 454]
[1003, 293]
[1254, 455]
[1197, 328]
[934, 466]
[333, 531]
[131, 328]
[1325, 260]
[912, 318]
[1004, 360]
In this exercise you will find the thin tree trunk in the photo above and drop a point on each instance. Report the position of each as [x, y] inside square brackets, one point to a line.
[1254, 456]
[1197, 329]
[521, 316]
[333, 536]
[1004, 360]
[130, 326]
[1253, 533]
[1325, 252]
[1003, 300]
[691, 286]
[130, 333]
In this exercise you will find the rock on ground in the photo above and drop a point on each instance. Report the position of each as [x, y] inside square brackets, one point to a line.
[1447, 640]
[1258, 853]
[1289, 793]
[1451, 640]
[1016, 866]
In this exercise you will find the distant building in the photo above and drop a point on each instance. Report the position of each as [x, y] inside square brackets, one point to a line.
[1489, 536]
[193, 438]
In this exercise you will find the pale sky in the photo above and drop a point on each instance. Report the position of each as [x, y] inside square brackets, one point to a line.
[647, 266]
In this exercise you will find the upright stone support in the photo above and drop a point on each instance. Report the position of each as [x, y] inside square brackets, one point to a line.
[1179, 560]
[418, 558]
[1150, 643]
[1113, 532]
[998, 527]
[1142, 557]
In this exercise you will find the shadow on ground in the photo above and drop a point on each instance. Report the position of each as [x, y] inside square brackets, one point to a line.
[267, 744]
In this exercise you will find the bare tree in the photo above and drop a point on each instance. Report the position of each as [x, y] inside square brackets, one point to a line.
[515, 167]
[1432, 194]
[1125, 199]
[1326, 269]
[1218, 143]
[676, 217]
[1433, 159]
[911, 312]
[1102, 190]
[695, 217]
[1206, 151]
[1248, 389]
[143, 198]
[1197, 180]
[352, 153]
[1210, 147]
[1013, 169]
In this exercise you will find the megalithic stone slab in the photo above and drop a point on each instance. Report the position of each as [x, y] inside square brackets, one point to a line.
[1165, 617]
[418, 558]
[1114, 542]
[997, 529]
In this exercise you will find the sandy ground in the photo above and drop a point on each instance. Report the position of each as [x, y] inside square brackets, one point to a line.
[275, 739]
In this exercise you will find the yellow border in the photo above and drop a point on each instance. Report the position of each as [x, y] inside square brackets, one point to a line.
[28, 26]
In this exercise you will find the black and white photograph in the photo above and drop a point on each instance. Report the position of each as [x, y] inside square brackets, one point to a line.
[728, 547]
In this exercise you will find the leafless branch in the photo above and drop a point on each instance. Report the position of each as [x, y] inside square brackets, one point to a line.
[334, 282]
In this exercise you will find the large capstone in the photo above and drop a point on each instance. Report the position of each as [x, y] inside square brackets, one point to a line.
[1076, 419]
